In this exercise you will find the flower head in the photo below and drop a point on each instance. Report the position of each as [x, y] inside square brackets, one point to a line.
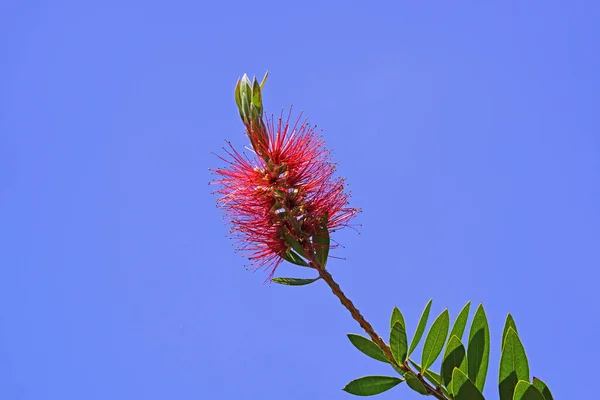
[285, 197]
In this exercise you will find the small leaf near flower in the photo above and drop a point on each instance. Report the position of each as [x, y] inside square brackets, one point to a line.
[293, 257]
[321, 242]
[294, 243]
[295, 281]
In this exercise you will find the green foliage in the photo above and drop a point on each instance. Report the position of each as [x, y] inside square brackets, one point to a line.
[291, 240]
[414, 383]
[294, 281]
[478, 350]
[463, 370]
[543, 388]
[371, 385]
[463, 388]
[461, 322]
[526, 391]
[397, 316]
[429, 374]
[510, 323]
[513, 365]
[454, 357]
[367, 347]
[420, 328]
[399, 342]
[294, 258]
[435, 340]
[257, 97]
[321, 242]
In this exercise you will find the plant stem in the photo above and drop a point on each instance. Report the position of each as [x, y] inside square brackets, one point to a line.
[368, 328]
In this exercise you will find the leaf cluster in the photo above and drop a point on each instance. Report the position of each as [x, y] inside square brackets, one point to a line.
[463, 369]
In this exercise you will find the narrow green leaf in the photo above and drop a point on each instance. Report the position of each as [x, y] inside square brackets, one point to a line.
[264, 80]
[543, 388]
[415, 384]
[513, 365]
[463, 388]
[371, 385]
[294, 243]
[478, 351]
[257, 96]
[526, 391]
[245, 108]
[397, 316]
[238, 99]
[420, 328]
[429, 374]
[461, 322]
[454, 357]
[321, 241]
[295, 281]
[294, 258]
[510, 323]
[368, 347]
[435, 340]
[399, 342]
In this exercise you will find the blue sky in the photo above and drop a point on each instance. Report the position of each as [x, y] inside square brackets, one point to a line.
[468, 133]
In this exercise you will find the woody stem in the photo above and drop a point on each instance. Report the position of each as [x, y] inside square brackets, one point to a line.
[368, 328]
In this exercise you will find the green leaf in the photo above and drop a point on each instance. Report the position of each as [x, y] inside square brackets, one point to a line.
[461, 322]
[293, 257]
[454, 357]
[526, 391]
[238, 99]
[463, 388]
[429, 374]
[370, 385]
[420, 328]
[295, 281]
[321, 241]
[397, 316]
[264, 80]
[510, 323]
[257, 97]
[399, 342]
[294, 243]
[415, 384]
[368, 347]
[513, 365]
[245, 108]
[435, 340]
[543, 388]
[478, 352]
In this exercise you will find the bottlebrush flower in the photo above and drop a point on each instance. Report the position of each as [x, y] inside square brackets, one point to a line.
[283, 200]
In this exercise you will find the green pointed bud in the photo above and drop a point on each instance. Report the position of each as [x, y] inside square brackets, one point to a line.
[248, 97]
[246, 93]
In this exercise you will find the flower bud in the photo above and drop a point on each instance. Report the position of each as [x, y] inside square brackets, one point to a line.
[248, 97]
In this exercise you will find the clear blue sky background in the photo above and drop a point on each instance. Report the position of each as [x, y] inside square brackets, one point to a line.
[468, 132]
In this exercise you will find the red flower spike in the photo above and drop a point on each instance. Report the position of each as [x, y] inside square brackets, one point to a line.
[288, 190]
